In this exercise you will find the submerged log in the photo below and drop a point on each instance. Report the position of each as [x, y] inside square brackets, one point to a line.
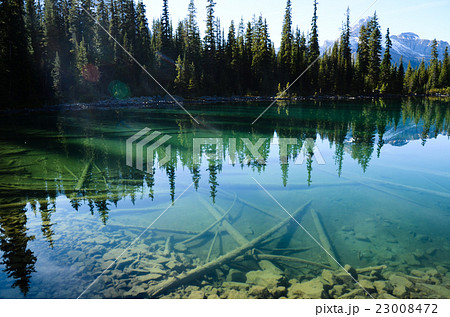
[239, 238]
[168, 245]
[209, 227]
[281, 259]
[251, 205]
[324, 239]
[371, 268]
[213, 242]
[186, 277]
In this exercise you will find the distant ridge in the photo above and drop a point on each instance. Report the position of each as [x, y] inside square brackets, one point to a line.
[407, 44]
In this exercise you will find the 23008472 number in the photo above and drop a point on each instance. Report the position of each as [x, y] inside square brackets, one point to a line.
[406, 308]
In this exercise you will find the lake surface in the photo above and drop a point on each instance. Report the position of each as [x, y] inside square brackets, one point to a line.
[377, 175]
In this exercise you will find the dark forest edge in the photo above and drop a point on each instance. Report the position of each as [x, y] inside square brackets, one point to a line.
[54, 52]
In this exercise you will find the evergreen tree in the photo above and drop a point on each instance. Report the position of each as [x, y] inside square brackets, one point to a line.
[433, 76]
[385, 69]
[314, 50]
[374, 53]
[101, 39]
[444, 76]
[285, 53]
[362, 58]
[345, 58]
[399, 78]
[209, 49]
[407, 82]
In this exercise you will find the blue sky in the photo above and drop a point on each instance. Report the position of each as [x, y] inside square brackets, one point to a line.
[428, 19]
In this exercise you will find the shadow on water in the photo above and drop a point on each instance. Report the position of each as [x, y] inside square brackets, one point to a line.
[80, 156]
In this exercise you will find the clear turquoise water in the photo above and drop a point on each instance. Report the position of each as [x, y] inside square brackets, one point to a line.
[383, 194]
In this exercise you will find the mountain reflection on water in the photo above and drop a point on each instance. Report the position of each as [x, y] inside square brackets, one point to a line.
[80, 155]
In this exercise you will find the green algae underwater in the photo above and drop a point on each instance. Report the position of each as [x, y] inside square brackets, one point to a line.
[71, 209]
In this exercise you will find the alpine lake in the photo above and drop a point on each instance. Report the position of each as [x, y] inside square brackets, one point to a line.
[368, 183]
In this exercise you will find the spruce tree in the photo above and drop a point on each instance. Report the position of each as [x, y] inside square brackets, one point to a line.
[444, 76]
[433, 69]
[374, 53]
[314, 51]
[285, 53]
[345, 57]
[385, 69]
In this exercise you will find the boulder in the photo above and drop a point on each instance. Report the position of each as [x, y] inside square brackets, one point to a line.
[197, 295]
[234, 294]
[148, 277]
[175, 266]
[259, 291]
[400, 291]
[328, 276]
[264, 278]
[439, 290]
[383, 286]
[278, 292]
[236, 276]
[386, 296]
[353, 293]
[313, 289]
[367, 285]
[400, 281]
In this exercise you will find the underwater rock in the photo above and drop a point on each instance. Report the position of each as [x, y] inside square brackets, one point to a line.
[417, 273]
[400, 291]
[422, 238]
[362, 237]
[236, 276]
[264, 278]
[410, 260]
[180, 247]
[419, 254]
[431, 251]
[442, 270]
[351, 270]
[329, 277]
[367, 285]
[383, 286]
[269, 266]
[175, 266]
[400, 281]
[136, 292]
[439, 290]
[347, 228]
[197, 295]
[112, 255]
[353, 294]
[234, 294]
[259, 291]
[148, 277]
[433, 273]
[278, 292]
[124, 263]
[337, 291]
[386, 296]
[213, 296]
[312, 289]
[235, 285]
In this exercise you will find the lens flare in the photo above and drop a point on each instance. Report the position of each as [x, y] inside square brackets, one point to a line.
[91, 73]
[118, 89]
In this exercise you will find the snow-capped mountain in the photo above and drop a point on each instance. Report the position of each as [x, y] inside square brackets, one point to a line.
[409, 45]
